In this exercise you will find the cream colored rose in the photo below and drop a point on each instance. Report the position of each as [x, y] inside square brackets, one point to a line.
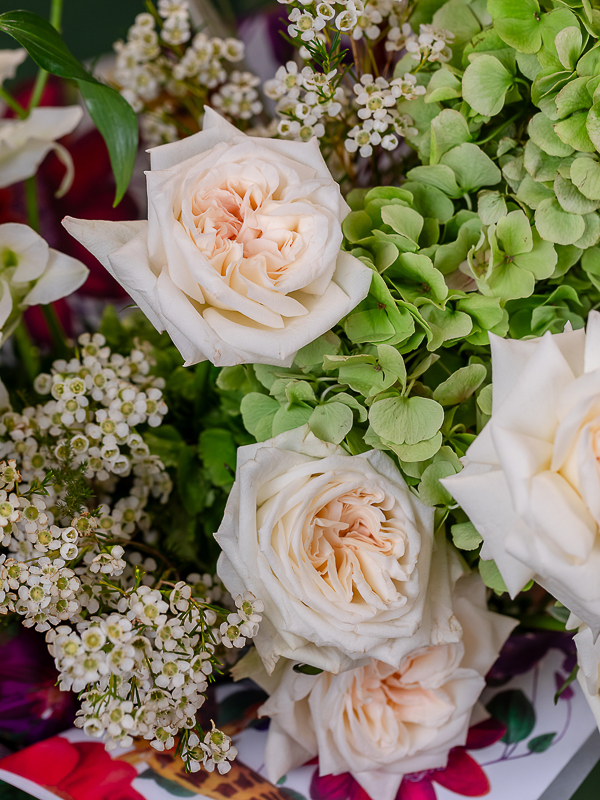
[340, 552]
[588, 657]
[380, 722]
[24, 143]
[240, 258]
[532, 483]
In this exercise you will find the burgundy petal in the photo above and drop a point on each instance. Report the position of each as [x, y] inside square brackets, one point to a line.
[416, 790]
[331, 787]
[463, 775]
[485, 734]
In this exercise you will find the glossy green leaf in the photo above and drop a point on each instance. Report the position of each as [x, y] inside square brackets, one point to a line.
[431, 491]
[568, 43]
[517, 22]
[112, 114]
[218, 451]
[514, 709]
[258, 411]
[490, 575]
[539, 744]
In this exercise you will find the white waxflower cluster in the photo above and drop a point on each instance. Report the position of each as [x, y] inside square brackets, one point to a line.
[305, 97]
[430, 45]
[238, 98]
[381, 124]
[167, 73]
[356, 18]
[140, 645]
[145, 666]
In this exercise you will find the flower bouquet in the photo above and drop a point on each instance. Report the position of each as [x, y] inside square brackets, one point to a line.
[348, 438]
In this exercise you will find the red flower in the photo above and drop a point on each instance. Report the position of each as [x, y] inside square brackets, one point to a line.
[76, 770]
[461, 775]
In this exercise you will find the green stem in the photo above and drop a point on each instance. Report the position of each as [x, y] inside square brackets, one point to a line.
[27, 351]
[42, 76]
[10, 101]
[57, 332]
[33, 213]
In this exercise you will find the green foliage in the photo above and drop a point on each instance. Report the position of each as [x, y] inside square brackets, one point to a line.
[112, 114]
[515, 710]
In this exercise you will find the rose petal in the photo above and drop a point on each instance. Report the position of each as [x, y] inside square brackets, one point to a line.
[463, 775]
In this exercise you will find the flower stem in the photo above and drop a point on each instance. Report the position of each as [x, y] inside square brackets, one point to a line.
[27, 351]
[10, 101]
[42, 76]
[33, 212]
[57, 332]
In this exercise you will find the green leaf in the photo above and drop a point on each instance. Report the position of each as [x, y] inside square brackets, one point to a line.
[286, 419]
[312, 354]
[490, 575]
[437, 175]
[556, 225]
[593, 125]
[491, 206]
[117, 122]
[585, 174]
[444, 85]
[218, 450]
[532, 193]
[449, 129]
[331, 421]
[112, 114]
[298, 392]
[404, 221]
[430, 202]
[574, 96]
[485, 84]
[416, 278]
[431, 491]
[258, 411]
[514, 710]
[484, 400]
[465, 537]
[406, 420]
[569, 43]
[472, 168]
[591, 233]
[514, 232]
[417, 452]
[574, 131]
[446, 324]
[539, 164]
[460, 385]
[190, 481]
[541, 131]
[392, 363]
[357, 226]
[571, 199]
[517, 22]
[166, 442]
[541, 743]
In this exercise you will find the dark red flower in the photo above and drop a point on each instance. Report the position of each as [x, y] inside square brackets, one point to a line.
[76, 770]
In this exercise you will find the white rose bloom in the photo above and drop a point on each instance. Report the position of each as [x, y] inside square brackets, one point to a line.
[240, 258]
[531, 486]
[588, 656]
[24, 143]
[380, 722]
[340, 552]
[9, 61]
[32, 273]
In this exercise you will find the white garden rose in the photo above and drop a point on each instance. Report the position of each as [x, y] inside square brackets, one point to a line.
[380, 722]
[25, 143]
[340, 552]
[32, 273]
[240, 258]
[532, 482]
[588, 657]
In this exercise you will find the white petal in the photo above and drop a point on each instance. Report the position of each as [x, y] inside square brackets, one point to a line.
[31, 250]
[6, 303]
[592, 342]
[9, 61]
[62, 276]
[215, 130]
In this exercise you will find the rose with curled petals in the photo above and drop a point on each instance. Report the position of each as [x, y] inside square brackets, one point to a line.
[240, 258]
